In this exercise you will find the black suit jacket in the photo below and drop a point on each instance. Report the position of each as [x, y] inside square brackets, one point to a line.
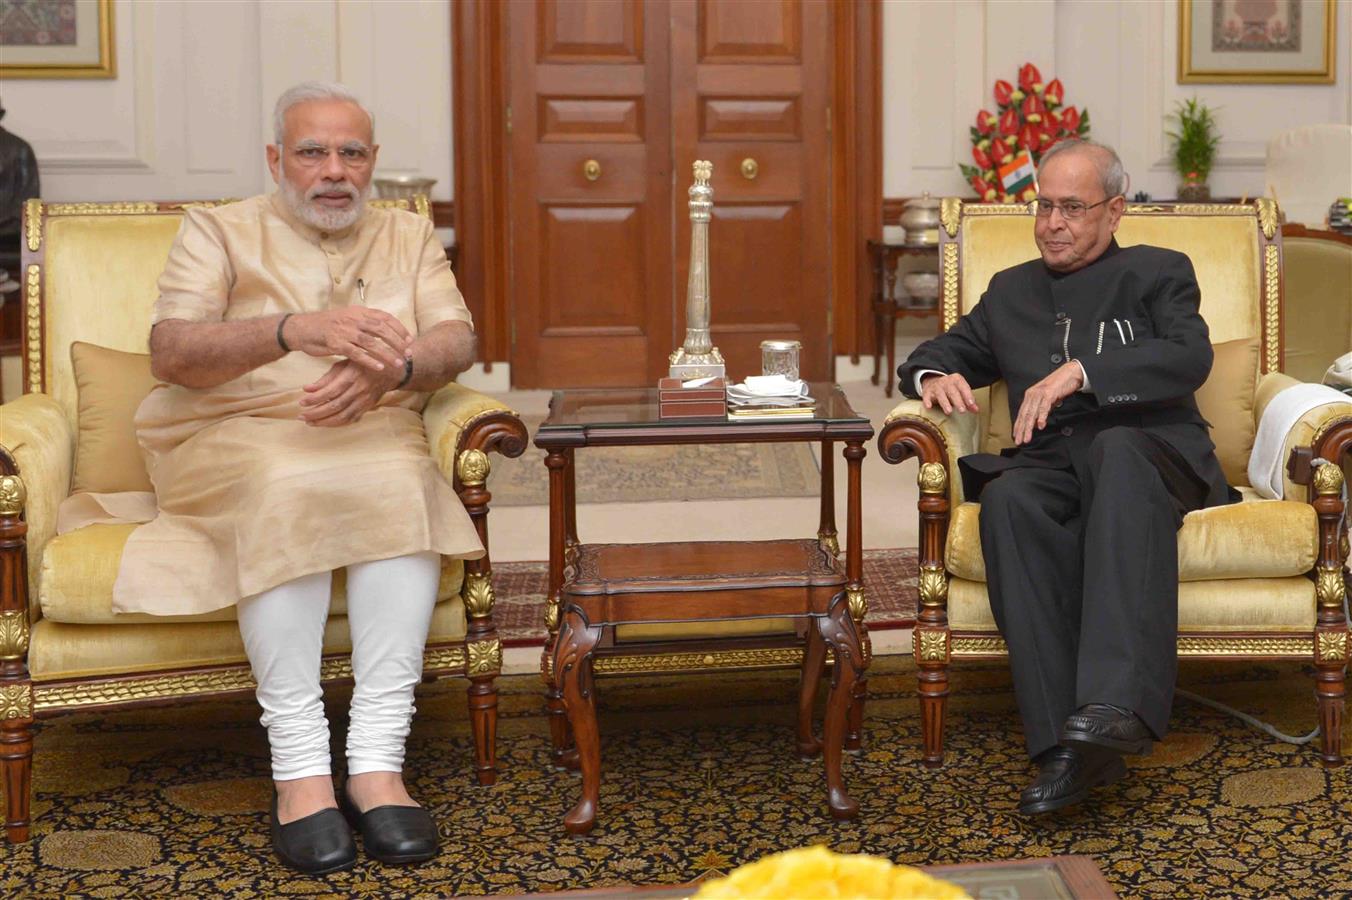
[1130, 318]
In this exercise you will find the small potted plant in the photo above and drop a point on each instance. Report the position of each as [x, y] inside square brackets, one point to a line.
[1195, 144]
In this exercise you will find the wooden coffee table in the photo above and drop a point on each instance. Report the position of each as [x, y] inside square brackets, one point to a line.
[778, 603]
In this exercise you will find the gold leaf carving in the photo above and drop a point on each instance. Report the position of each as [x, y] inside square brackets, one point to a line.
[949, 267]
[829, 542]
[33, 218]
[950, 214]
[485, 658]
[552, 615]
[16, 701]
[684, 662]
[421, 206]
[996, 209]
[933, 586]
[1271, 315]
[979, 646]
[213, 681]
[931, 646]
[477, 593]
[34, 316]
[1328, 479]
[1329, 585]
[12, 495]
[1267, 216]
[933, 478]
[13, 631]
[1332, 646]
[472, 467]
[100, 209]
[1227, 646]
[857, 602]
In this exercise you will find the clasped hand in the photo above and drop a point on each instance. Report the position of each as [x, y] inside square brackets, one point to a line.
[951, 392]
[375, 345]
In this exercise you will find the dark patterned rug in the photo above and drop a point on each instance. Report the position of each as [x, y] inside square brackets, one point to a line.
[890, 578]
[172, 802]
[677, 472]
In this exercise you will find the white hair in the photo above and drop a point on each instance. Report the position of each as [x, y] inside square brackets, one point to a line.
[307, 91]
[1111, 173]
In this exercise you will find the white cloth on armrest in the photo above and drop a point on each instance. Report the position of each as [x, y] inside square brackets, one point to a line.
[1281, 415]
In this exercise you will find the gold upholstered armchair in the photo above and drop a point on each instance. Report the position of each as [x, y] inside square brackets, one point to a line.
[89, 281]
[1259, 579]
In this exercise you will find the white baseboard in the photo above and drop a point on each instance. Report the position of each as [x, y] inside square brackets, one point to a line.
[498, 381]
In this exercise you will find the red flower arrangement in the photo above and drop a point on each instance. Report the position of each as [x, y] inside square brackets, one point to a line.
[1030, 118]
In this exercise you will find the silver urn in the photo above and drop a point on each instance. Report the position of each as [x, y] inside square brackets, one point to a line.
[920, 219]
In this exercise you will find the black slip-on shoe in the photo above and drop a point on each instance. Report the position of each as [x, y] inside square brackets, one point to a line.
[1098, 725]
[1066, 777]
[395, 835]
[317, 844]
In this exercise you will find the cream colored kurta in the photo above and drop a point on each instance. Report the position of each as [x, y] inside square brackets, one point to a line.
[249, 496]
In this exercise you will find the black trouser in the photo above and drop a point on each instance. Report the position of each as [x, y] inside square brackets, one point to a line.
[1082, 570]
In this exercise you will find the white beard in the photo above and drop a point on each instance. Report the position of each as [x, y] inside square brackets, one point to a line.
[316, 215]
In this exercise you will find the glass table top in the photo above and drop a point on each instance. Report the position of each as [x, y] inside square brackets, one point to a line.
[630, 407]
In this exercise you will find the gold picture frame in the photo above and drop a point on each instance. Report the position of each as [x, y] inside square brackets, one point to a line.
[93, 55]
[1217, 64]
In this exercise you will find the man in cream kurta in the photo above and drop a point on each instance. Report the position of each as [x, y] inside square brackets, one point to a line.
[298, 334]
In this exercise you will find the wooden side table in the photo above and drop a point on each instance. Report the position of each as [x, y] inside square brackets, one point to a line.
[890, 302]
[790, 602]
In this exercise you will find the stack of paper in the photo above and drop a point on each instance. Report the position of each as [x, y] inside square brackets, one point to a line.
[762, 396]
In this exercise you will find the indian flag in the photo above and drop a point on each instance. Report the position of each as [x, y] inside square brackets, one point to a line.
[1017, 174]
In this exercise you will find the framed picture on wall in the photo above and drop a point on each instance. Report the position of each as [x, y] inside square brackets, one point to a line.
[56, 39]
[1256, 41]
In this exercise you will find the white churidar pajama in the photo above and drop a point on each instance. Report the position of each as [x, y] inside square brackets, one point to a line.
[389, 611]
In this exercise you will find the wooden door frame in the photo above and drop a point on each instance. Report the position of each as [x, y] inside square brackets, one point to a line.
[482, 182]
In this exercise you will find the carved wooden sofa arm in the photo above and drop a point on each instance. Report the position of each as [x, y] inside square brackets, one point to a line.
[463, 427]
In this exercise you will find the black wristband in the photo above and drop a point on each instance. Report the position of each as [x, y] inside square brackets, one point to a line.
[281, 341]
[408, 372]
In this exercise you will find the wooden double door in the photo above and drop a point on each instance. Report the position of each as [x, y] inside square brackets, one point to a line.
[610, 102]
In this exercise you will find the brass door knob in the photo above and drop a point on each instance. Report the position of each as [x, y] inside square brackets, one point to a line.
[750, 169]
[591, 170]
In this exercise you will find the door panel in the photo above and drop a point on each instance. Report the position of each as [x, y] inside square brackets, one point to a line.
[750, 82]
[591, 269]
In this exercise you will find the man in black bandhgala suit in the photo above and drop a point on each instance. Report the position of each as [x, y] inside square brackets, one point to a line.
[1101, 347]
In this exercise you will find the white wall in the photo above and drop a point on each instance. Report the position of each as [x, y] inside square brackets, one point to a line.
[191, 107]
[1118, 58]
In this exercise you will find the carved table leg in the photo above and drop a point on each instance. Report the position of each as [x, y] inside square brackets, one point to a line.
[563, 753]
[573, 678]
[839, 634]
[857, 602]
[814, 661]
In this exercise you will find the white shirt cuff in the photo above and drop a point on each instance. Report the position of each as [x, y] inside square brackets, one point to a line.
[919, 376]
[1084, 388]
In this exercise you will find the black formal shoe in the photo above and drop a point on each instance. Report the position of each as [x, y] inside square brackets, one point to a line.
[1066, 777]
[394, 835]
[1107, 727]
[317, 844]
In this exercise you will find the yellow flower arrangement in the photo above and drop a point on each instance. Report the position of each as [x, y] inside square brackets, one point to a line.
[816, 873]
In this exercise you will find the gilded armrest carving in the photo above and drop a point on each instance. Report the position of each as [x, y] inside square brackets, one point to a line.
[37, 444]
[903, 437]
[457, 418]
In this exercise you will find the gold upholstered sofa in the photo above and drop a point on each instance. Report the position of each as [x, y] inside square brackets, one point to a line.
[89, 280]
[1260, 579]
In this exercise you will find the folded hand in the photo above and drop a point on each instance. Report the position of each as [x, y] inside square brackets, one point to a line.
[345, 393]
[371, 338]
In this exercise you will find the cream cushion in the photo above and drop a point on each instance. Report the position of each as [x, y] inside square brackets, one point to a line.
[1254, 538]
[1230, 605]
[111, 384]
[79, 567]
[1226, 401]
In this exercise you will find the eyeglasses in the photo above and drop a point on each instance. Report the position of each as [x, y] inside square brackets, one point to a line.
[352, 156]
[1071, 209]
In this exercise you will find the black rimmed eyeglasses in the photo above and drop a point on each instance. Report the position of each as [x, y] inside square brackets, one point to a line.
[1071, 209]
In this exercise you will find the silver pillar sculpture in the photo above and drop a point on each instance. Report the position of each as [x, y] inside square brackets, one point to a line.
[698, 357]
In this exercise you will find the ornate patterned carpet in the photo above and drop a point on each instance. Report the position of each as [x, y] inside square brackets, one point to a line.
[173, 802]
[642, 474]
[890, 578]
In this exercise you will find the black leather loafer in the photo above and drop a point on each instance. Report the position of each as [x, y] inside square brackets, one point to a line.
[395, 835]
[1066, 778]
[318, 844]
[1107, 727]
